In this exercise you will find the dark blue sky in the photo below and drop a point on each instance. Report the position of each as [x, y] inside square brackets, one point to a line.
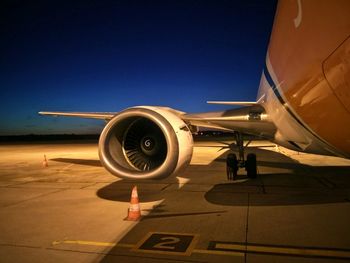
[109, 55]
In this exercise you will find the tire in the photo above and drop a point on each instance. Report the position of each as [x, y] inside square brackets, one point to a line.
[235, 166]
[250, 165]
[232, 164]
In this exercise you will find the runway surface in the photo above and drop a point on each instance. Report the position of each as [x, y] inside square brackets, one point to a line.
[297, 210]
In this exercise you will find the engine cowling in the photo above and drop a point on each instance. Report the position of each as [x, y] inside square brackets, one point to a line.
[145, 143]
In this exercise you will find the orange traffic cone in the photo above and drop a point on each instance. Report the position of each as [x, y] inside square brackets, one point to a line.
[134, 212]
[45, 163]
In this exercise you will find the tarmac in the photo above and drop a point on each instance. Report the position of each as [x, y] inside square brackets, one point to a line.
[296, 210]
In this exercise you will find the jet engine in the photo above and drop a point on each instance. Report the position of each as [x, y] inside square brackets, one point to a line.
[145, 143]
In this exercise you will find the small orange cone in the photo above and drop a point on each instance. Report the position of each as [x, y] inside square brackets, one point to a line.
[134, 212]
[45, 163]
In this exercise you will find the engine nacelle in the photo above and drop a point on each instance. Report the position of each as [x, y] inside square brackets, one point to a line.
[145, 143]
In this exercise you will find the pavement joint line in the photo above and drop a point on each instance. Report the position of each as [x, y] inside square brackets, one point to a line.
[86, 186]
[325, 182]
[247, 227]
[35, 197]
[13, 185]
[167, 186]
[329, 183]
[262, 185]
[19, 245]
[66, 167]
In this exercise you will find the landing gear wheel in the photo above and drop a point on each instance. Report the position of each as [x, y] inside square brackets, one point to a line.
[231, 166]
[234, 167]
[250, 165]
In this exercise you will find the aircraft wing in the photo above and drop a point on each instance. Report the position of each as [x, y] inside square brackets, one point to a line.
[250, 119]
[89, 115]
[128, 140]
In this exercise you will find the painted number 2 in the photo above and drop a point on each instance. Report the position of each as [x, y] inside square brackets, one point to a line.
[167, 242]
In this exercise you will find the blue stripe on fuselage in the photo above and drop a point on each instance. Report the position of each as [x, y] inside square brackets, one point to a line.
[273, 85]
[284, 104]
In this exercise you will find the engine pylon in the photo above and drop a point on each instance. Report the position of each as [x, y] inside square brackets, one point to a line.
[134, 211]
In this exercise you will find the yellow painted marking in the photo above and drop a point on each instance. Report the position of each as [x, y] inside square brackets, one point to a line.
[218, 252]
[92, 243]
[286, 250]
[188, 251]
[125, 245]
[300, 251]
[54, 243]
[88, 243]
[230, 246]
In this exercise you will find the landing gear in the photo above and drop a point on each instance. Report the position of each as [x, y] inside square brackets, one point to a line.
[239, 144]
[249, 164]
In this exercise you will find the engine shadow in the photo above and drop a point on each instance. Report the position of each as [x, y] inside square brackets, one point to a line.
[120, 191]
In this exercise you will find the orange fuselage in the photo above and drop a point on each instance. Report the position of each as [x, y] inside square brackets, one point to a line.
[309, 64]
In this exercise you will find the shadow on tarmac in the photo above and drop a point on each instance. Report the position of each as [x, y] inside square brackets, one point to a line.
[120, 191]
[224, 194]
[286, 183]
[319, 184]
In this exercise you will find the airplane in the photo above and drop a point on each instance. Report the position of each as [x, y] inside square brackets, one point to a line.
[303, 101]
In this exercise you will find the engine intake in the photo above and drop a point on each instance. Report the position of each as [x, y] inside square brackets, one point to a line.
[144, 143]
